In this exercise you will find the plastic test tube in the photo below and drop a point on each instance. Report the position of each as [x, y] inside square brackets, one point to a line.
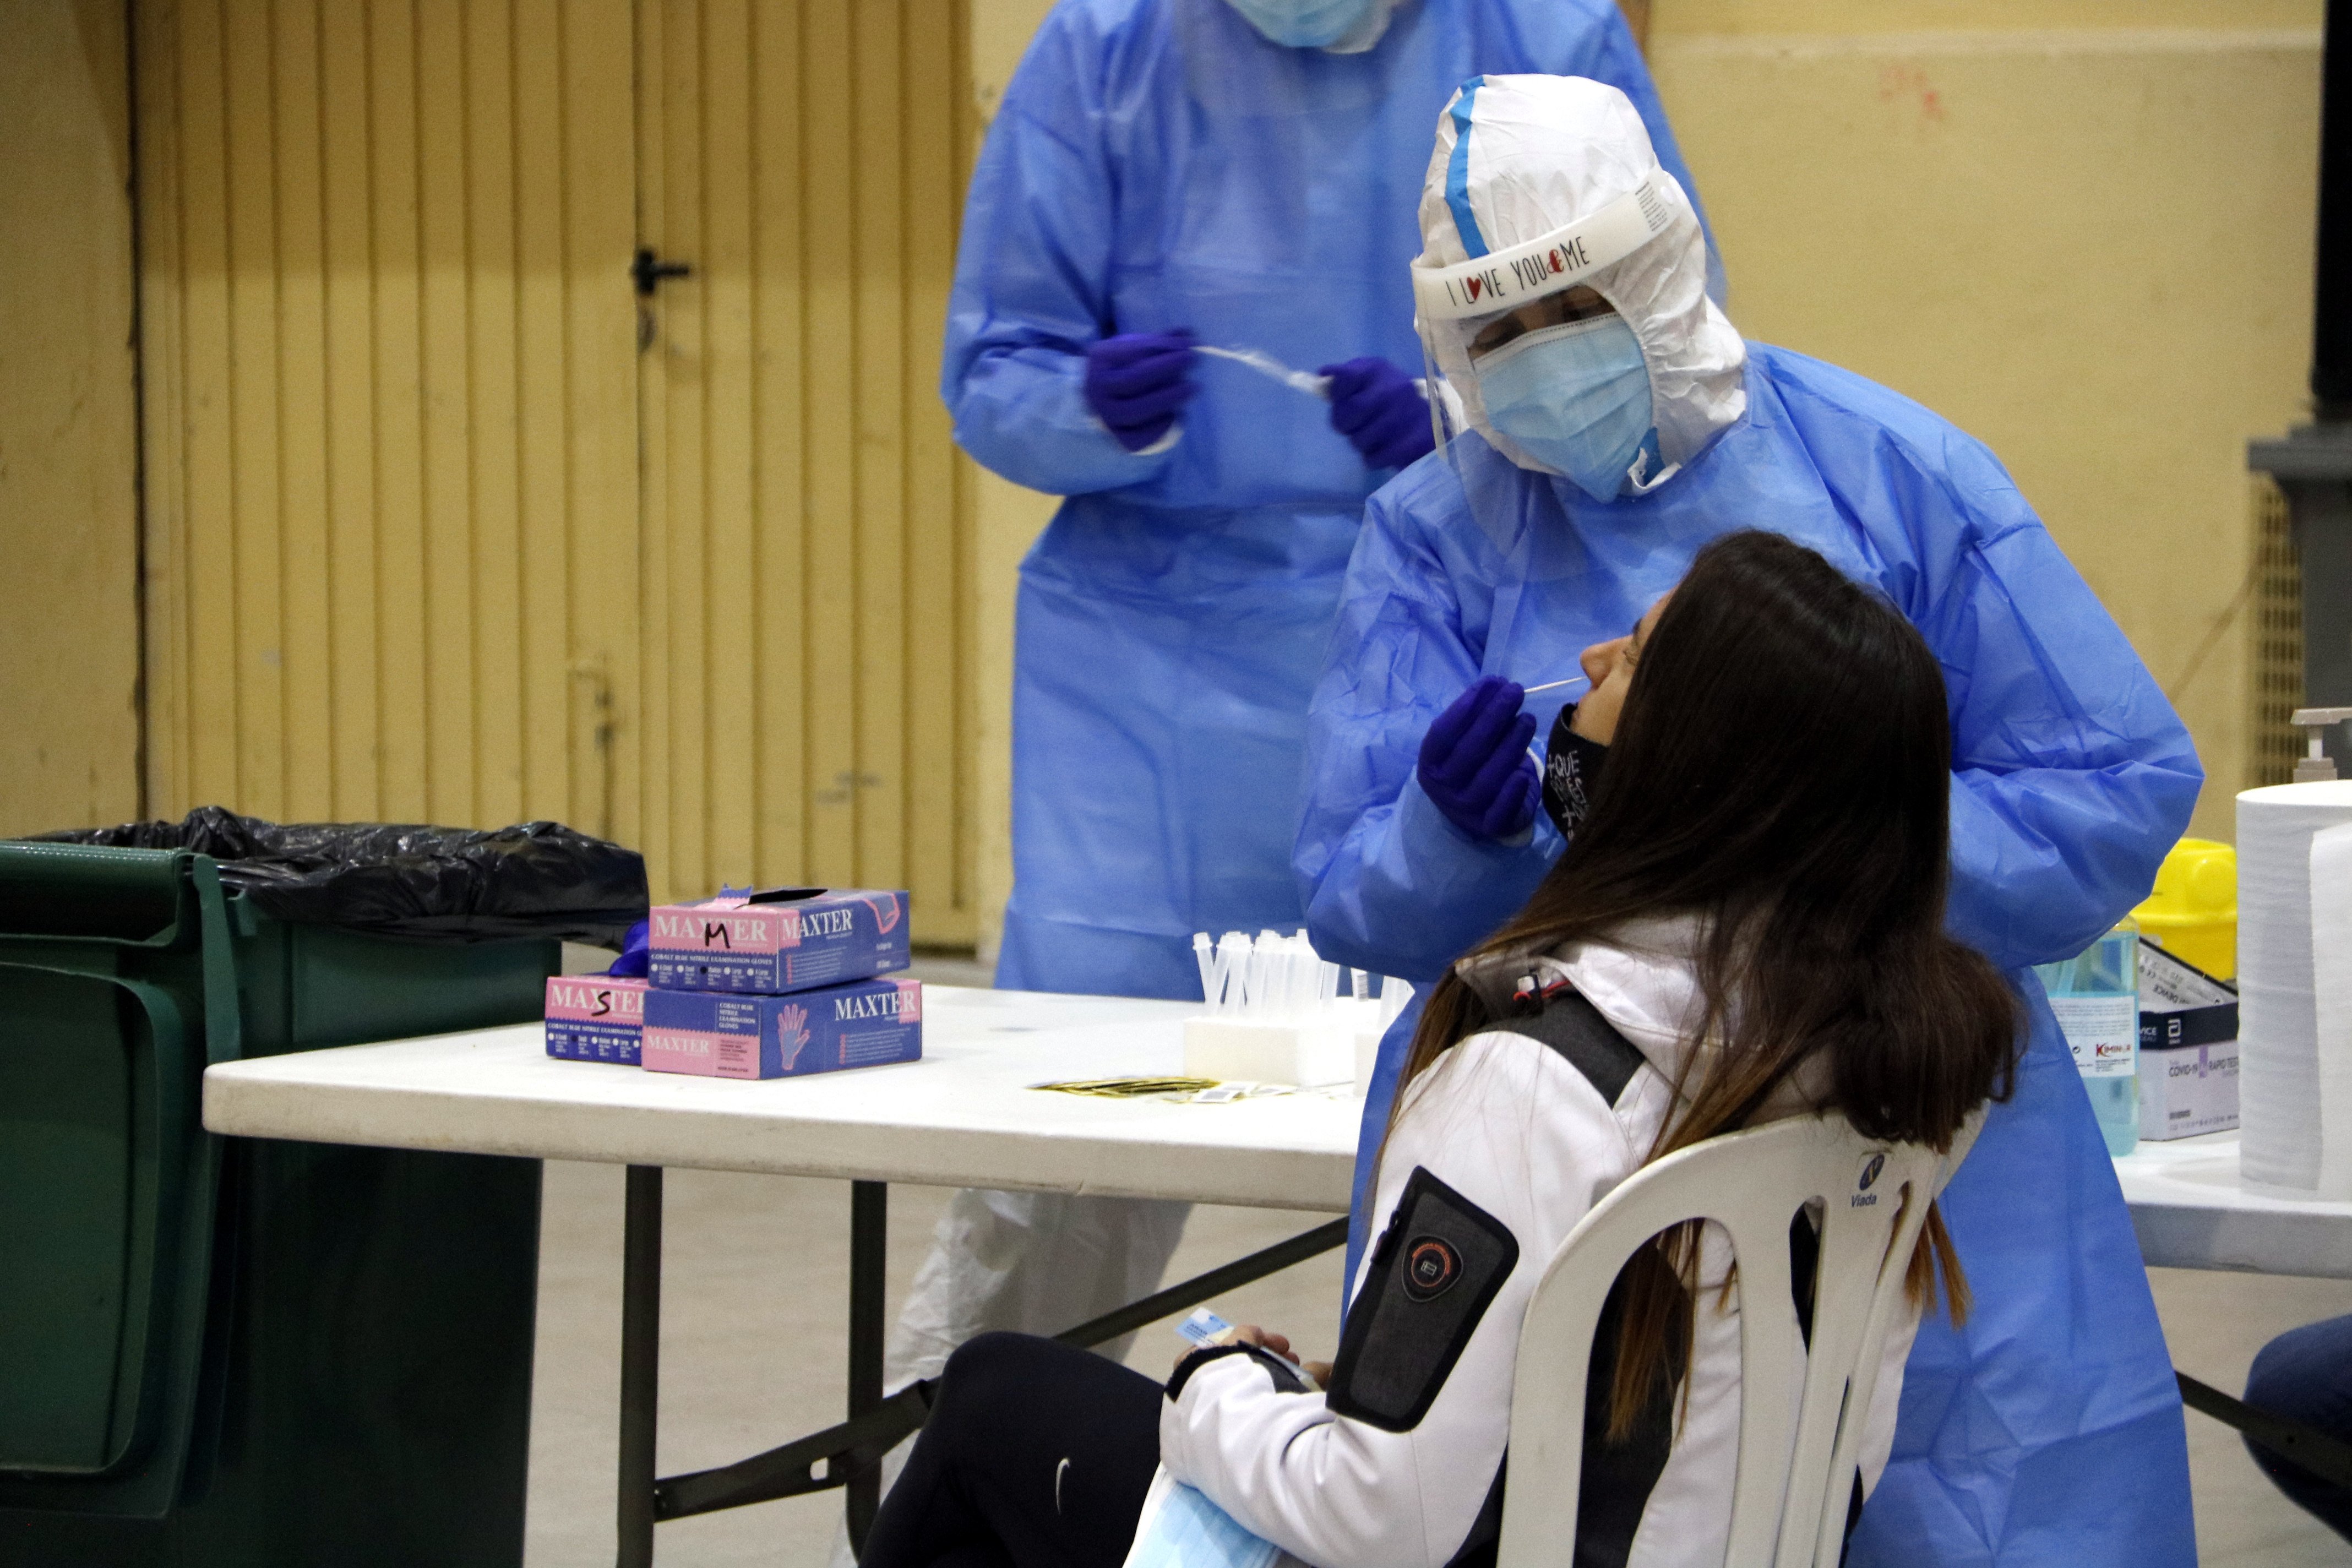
[1232, 950]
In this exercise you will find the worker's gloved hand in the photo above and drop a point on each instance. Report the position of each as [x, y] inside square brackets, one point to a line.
[1137, 382]
[1475, 765]
[1377, 407]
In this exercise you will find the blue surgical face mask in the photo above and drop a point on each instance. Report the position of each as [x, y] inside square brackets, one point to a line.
[1576, 397]
[1304, 23]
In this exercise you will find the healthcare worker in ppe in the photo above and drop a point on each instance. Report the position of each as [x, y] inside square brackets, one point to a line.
[1167, 178]
[1614, 423]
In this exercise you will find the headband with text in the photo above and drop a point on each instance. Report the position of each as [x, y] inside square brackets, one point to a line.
[1503, 279]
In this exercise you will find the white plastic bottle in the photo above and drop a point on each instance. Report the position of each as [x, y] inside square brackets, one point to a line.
[2095, 996]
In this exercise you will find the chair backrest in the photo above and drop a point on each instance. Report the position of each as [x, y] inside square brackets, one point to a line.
[1789, 1500]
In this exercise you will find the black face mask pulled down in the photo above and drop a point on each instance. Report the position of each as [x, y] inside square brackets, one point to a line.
[1572, 773]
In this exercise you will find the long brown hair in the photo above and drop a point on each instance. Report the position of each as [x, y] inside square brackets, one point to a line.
[1781, 772]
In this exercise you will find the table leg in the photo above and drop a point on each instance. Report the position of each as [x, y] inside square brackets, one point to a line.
[640, 1364]
[869, 1237]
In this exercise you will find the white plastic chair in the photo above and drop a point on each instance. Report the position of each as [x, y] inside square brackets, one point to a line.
[1788, 1503]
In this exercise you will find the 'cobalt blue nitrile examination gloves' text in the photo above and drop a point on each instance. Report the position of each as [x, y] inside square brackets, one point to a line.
[1381, 412]
[1137, 382]
[1475, 763]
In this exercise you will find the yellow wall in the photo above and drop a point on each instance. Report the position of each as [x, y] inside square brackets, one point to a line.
[388, 349]
[2089, 245]
[69, 508]
[1673, 19]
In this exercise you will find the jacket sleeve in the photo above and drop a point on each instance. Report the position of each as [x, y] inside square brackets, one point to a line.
[1390, 884]
[1503, 1149]
[2071, 776]
[1033, 280]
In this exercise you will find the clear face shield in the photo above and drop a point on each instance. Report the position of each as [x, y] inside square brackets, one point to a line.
[1524, 346]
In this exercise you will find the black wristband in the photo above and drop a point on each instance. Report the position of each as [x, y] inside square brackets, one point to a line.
[1285, 1379]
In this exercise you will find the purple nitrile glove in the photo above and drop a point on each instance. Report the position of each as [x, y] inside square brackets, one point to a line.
[1475, 765]
[1376, 407]
[1135, 382]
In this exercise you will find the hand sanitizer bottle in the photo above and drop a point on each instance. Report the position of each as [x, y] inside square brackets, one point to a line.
[2095, 996]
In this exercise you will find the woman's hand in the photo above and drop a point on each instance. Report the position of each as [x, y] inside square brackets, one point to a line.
[1251, 1334]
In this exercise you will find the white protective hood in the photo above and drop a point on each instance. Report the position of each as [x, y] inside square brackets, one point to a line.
[1557, 177]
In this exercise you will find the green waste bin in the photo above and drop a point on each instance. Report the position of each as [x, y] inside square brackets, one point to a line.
[244, 1352]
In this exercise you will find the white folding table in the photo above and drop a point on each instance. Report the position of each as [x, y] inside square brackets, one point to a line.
[2192, 1210]
[965, 1116]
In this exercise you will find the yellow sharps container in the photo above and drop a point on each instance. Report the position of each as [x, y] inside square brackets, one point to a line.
[2194, 910]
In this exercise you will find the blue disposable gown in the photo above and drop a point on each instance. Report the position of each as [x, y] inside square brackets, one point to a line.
[1157, 164]
[2048, 1430]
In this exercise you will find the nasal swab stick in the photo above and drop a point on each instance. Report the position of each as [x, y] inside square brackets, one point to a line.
[1273, 369]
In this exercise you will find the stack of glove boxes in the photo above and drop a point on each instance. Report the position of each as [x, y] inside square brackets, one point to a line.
[775, 984]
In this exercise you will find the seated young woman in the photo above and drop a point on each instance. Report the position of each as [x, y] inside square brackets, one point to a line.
[1747, 925]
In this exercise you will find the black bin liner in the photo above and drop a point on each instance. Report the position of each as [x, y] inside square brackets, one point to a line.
[424, 884]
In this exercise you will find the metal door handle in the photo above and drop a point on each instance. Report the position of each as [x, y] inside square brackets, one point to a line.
[649, 270]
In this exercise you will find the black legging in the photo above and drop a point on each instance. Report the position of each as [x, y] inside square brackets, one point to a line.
[1036, 1456]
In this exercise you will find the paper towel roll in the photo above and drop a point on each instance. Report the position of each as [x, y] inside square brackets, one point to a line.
[2295, 981]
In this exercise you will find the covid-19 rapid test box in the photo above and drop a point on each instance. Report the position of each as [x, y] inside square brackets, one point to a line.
[871, 1023]
[777, 940]
[2187, 1048]
[595, 1019]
